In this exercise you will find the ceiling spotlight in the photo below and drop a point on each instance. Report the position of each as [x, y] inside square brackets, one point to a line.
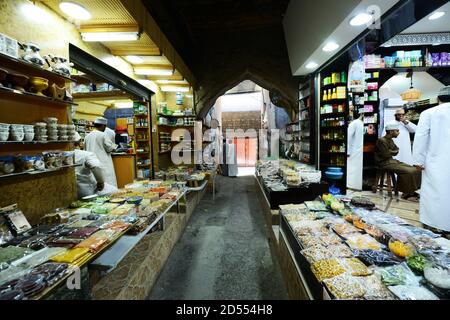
[311, 65]
[436, 15]
[361, 19]
[75, 10]
[330, 46]
[134, 59]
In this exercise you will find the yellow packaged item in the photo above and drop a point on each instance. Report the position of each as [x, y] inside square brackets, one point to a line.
[71, 256]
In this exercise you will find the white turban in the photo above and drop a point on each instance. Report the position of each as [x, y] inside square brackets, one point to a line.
[392, 126]
[101, 121]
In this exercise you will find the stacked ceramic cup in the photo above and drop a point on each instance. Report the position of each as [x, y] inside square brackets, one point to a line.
[40, 131]
[17, 132]
[62, 132]
[52, 128]
[29, 132]
[4, 132]
[71, 132]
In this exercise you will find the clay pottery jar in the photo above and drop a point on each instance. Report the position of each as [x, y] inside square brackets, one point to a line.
[56, 92]
[39, 85]
[19, 81]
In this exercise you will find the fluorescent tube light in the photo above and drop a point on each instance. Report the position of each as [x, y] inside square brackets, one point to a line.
[174, 89]
[153, 72]
[109, 36]
[134, 59]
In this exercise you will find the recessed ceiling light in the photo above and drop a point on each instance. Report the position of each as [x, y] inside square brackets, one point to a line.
[361, 19]
[436, 15]
[75, 10]
[134, 59]
[311, 65]
[330, 46]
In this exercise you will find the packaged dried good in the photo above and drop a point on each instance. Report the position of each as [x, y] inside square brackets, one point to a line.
[409, 292]
[398, 275]
[316, 253]
[71, 256]
[437, 276]
[316, 205]
[83, 233]
[375, 289]
[93, 243]
[363, 242]
[51, 272]
[39, 257]
[325, 269]
[345, 286]
[355, 267]
[400, 249]
[309, 240]
[417, 262]
[377, 257]
[330, 239]
[307, 227]
[344, 228]
[11, 253]
[116, 225]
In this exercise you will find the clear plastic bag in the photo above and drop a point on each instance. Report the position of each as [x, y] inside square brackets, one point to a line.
[411, 292]
[398, 275]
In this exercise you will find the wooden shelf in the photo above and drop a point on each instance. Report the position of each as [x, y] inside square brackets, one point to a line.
[169, 126]
[33, 173]
[31, 98]
[141, 127]
[31, 69]
[331, 165]
[333, 115]
[334, 85]
[35, 142]
[332, 153]
[164, 152]
[101, 95]
[334, 101]
[337, 128]
[175, 116]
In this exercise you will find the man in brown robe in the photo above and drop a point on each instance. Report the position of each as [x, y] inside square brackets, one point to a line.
[409, 177]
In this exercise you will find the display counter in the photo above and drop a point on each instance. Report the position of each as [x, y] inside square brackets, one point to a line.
[337, 250]
[293, 195]
[124, 166]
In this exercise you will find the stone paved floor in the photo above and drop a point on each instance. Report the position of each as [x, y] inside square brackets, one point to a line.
[404, 209]
[224, 252]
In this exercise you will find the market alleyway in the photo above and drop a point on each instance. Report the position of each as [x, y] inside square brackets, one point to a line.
[224, 252]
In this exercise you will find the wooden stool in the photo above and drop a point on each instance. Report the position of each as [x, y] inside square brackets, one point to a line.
[391, 182]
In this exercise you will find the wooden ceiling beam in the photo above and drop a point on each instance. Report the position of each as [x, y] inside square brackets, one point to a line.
[136, 51]
[155, 78]
[140, 13]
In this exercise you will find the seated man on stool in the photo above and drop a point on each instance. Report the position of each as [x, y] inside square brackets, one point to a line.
[409, 177]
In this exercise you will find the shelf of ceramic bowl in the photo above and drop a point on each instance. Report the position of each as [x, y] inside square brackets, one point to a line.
[37, 172]
[33, 69]
[28, 97]
[35, 142]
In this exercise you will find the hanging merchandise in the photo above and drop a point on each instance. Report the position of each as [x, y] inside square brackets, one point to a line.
[356, 74]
